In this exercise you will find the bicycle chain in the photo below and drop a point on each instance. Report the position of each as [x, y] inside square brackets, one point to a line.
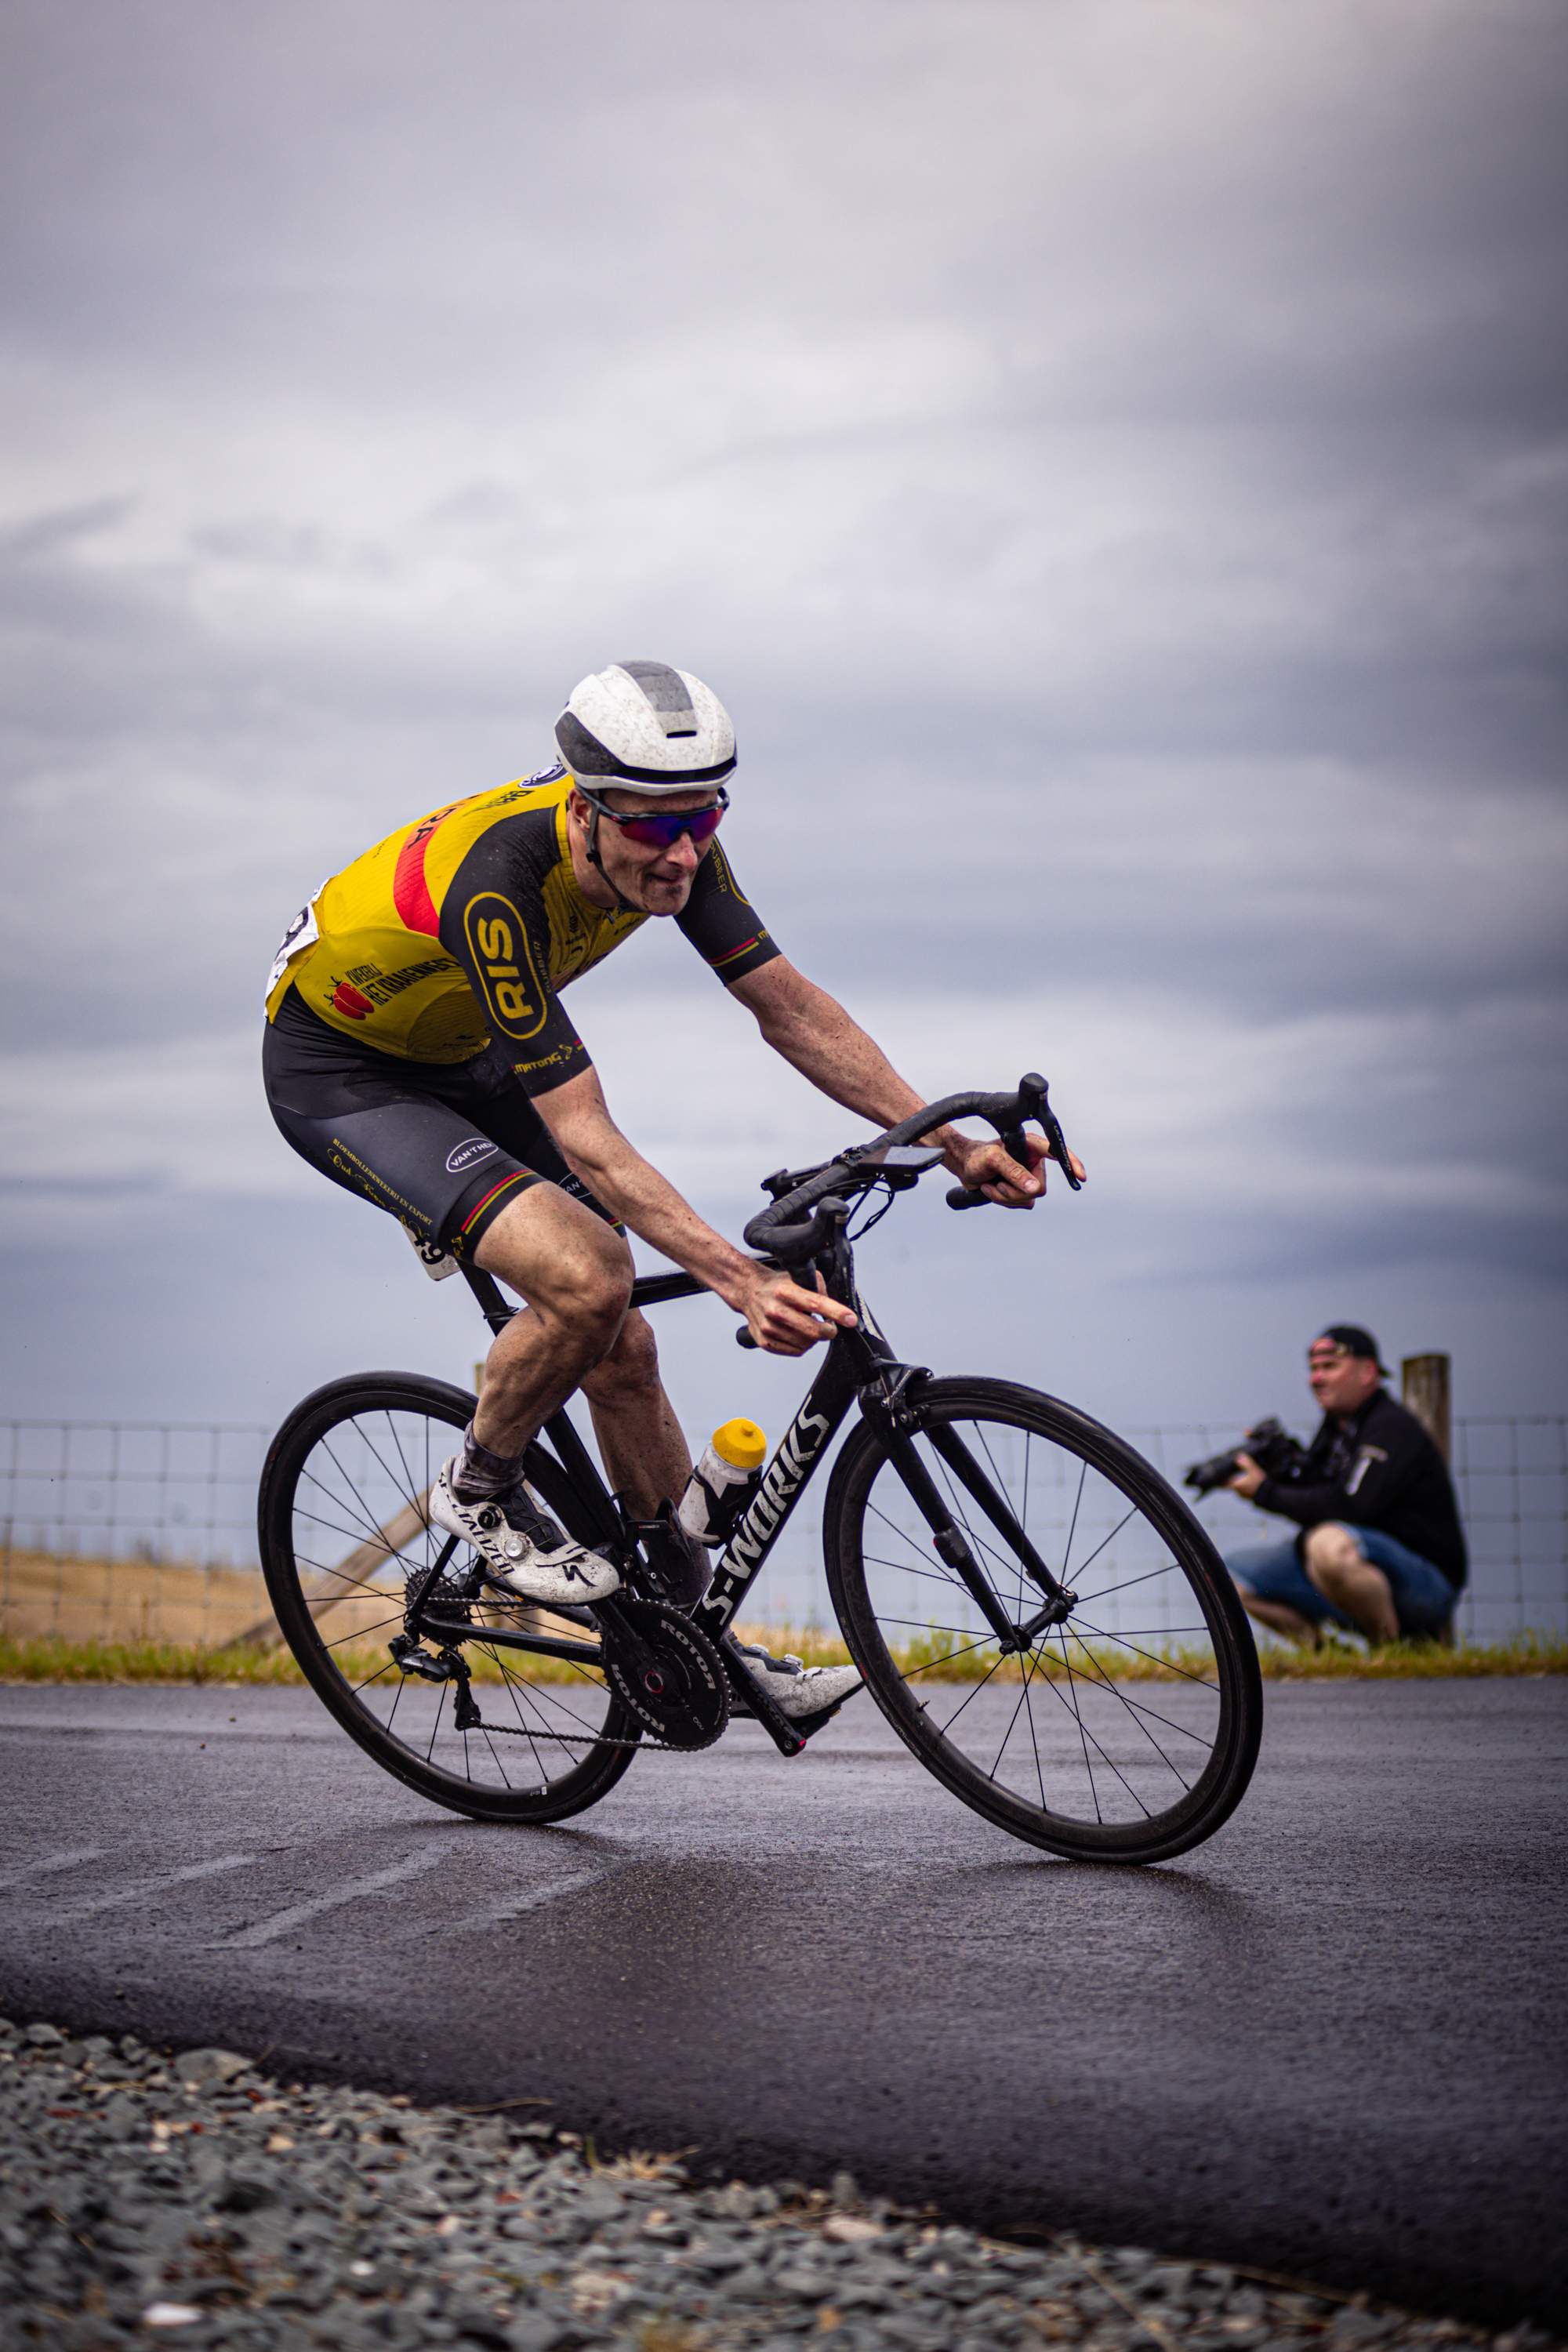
[651, 1618]
[582, 1739]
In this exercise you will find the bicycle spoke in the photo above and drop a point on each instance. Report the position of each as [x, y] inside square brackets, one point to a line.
[1153, 1657]
[1102, 1736]
[548, 1737]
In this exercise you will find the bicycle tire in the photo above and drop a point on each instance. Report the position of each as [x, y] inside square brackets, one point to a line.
[351, 1466]
[1104, 1741]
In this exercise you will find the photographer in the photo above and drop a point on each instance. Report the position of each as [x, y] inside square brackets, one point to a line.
[1381, 1551]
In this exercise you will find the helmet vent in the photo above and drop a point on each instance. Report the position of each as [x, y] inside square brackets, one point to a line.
[666, 691]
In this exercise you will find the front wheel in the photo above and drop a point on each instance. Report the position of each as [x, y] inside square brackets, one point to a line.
[1127, 1733]
[346, 1538]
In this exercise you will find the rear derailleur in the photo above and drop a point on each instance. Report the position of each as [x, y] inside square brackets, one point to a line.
[447, 1665]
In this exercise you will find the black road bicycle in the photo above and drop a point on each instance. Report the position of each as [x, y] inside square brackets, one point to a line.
[1038, 1615]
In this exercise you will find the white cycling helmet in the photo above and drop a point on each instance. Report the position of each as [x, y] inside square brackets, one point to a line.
[644, 724]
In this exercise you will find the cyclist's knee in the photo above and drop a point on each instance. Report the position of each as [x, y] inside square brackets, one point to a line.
[595, 1290]
[632, 1364]
[568, 1264]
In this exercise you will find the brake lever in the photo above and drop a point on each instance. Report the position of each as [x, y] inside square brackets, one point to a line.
[1034, 1097]
[1050, 1126]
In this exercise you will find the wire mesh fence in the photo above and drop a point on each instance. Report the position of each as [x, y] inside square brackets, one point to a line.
[1512, 1479]
[137, 1531]
[129, 1531]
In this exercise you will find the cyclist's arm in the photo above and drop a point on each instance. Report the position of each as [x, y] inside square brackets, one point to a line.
[783, 1317]
[816, 1037]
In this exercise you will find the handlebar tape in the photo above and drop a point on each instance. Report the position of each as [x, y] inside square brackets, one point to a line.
[781, 1232]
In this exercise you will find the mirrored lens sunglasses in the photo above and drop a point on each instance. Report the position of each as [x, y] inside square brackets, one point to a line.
[663, 828]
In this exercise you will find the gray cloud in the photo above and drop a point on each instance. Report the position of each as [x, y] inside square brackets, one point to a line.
[1113, 462]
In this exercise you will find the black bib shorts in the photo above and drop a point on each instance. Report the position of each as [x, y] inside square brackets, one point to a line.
[441, 1146]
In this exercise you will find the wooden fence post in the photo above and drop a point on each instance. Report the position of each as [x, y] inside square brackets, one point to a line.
[1426, 1392]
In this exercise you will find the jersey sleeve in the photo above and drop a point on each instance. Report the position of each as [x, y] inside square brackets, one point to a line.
[493, 922]
[721, 923]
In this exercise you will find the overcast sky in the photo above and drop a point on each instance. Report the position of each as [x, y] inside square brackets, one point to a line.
[1110, 458]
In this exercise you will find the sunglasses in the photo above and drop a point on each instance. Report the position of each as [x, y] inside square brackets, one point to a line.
[663, 830]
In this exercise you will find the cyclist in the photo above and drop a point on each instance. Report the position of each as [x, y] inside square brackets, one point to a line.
[417, 1054]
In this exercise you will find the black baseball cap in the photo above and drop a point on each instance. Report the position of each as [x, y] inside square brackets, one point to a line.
[1357, 1342]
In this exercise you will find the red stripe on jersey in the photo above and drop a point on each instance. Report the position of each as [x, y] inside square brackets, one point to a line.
[716, 964]
[410, 891]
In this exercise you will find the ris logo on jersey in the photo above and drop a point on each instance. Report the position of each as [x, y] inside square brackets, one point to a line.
[499, 946]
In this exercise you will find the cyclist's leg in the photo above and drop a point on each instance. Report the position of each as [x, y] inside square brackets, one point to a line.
[641, 1442]
[458, 1153]
[575, 1273]
[450, 1151]
[645, 1455]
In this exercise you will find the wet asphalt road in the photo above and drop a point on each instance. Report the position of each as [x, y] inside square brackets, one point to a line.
[1329, 2044]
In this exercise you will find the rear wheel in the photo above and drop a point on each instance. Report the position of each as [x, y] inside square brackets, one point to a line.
[1126, 1734]
[344, 1536]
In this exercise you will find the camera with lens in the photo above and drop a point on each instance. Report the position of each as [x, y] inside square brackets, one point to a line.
[1270, 1445]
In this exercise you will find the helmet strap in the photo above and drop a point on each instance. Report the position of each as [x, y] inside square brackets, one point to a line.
[595, 860]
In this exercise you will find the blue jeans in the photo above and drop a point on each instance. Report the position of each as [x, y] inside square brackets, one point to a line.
[1423, 1599]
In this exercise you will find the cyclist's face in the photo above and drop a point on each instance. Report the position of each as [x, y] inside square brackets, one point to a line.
[657, 879]
[1340, 1384]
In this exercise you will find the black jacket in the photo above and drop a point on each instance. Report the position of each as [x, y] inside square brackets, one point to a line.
[1381, 1470]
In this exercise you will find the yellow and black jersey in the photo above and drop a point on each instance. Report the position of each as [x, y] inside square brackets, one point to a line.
[465, 926]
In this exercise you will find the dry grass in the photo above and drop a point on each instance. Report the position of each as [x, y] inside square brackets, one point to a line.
[136, 1602]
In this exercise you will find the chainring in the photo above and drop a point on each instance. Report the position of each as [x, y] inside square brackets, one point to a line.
[691, 1704]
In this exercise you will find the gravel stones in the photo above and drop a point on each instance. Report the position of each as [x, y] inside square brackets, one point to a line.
[189, 2200]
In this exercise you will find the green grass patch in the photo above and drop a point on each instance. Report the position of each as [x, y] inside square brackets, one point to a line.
[934, 1657]
[1340, 1658]
[48, 1659]
[946, 1657]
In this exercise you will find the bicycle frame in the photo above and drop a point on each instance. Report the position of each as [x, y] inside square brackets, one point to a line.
[853, 1358]
[861, 1367]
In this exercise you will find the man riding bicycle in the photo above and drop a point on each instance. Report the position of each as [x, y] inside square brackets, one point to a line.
[416, 1052]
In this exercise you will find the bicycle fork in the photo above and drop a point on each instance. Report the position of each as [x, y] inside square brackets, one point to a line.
[886, 1404]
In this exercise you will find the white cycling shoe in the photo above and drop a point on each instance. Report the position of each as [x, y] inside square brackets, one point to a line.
[521, 1547]
[796, 1690]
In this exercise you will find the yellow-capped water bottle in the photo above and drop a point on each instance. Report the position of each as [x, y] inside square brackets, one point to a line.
[724, 1483]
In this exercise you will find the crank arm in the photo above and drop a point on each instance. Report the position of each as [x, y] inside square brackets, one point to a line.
[618, 1628]
[753, 1700]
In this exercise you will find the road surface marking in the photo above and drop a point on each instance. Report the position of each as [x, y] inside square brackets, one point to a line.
[147, 1886]
[532, 1899]
[378, 1882]
[49, 1862]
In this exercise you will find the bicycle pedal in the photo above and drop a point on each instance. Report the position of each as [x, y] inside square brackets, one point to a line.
[808, 1726]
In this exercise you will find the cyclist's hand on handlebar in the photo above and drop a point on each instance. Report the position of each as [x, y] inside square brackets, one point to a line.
[786, 1318]
[990, 1168]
